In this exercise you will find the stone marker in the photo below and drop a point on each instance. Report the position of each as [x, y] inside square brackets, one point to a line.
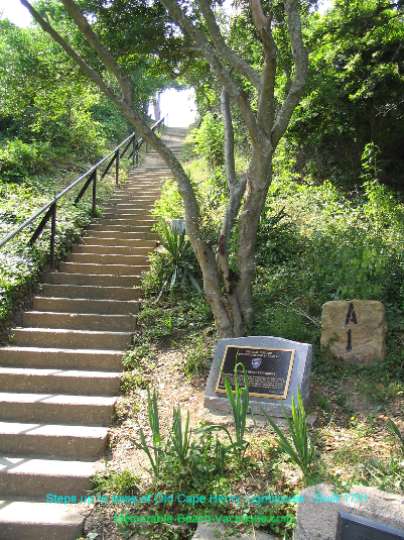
[276, 369]
[363, 513]
[354, 330]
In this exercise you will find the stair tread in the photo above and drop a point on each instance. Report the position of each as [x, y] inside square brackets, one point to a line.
[69, 285]
[54, 372]
[84, 299]
[31, 513]
[112, 276]
[17, 465]
[69, 331]
[52, 430]
[65, 350]
[57, 399]
[80, 315]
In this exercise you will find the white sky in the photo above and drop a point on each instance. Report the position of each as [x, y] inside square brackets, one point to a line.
[178, 105]
[16, 12]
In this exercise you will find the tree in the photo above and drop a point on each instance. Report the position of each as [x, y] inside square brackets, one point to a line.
[228, 290]
[354, 92]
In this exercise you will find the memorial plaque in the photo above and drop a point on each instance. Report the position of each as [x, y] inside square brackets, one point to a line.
[351, 527]
[277, 369]
[268, 370]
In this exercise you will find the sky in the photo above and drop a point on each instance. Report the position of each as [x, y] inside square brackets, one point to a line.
[178, 105]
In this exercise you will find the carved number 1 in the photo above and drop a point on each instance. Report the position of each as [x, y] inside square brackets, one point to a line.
[350, 317]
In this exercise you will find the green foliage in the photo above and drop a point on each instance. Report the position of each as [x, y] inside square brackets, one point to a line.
[354, 92]
[239, 399]
[328, 245]
[395, 431]
[19, 159]
[369, 163]
[115, 483]
[154, 452]
[175, 268]
[196, 358]
[298, 446]
[180, 440]
[208, 140]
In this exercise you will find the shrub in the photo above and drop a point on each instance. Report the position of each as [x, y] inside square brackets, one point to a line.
[19, 160]
[208, 139]
[176, 267]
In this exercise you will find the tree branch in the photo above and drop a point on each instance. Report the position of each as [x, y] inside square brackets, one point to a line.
[266, 104]
[105, 55]
[85, 68]
[226, 52]
[300, 60]
[229, 160]
[200, 39]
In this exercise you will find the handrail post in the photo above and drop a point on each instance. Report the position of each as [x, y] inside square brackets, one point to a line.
[117, 162]
[94, 203]
[133, 150]
[53, 235]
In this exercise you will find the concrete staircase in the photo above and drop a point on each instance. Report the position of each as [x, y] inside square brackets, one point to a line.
[60, 375]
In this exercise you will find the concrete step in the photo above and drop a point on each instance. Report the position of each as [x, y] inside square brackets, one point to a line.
[46, 408]
[135, 202]
[100, 280]
[118, 228]
[130, 234]
[131, 220]
[85, 305]
[108, 258]
[37, 357]
[115, 239]
[127, 207]
[79, 321]
[75, 339]
[23, 520]
[112, 250]
[27, 477]
[122, 236]
[113, 269]
[90, 291]
[83, 443]
[124, 213]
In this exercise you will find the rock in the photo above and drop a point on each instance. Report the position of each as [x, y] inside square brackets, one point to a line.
[218, 532]
[354, 330]
[317, 515]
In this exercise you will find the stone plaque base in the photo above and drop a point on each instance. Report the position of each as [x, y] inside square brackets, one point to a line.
[218, 403]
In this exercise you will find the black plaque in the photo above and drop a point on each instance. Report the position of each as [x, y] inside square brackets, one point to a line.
[351, 527]
[268, 370]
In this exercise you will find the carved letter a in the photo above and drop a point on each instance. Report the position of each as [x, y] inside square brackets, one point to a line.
[351, 315]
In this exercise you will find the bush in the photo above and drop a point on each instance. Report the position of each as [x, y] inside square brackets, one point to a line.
[19, 160]
[208, 139]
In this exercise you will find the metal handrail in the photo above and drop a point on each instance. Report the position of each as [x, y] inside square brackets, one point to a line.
[49, 209]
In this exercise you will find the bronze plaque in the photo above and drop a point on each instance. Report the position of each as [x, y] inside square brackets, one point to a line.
[268, 370]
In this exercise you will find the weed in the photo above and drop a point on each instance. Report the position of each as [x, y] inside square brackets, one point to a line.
[196, 358]
[115, 482]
